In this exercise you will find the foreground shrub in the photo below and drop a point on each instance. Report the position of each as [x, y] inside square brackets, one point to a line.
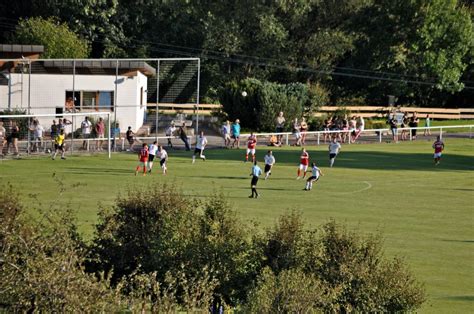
[351, 268]
[160, 230]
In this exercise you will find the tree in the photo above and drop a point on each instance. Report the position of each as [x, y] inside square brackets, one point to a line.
[58, 40]
[413, 40]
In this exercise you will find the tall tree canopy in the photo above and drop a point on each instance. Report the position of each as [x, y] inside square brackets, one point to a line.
[420, 51]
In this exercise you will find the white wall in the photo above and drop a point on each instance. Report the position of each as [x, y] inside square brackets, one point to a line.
[48, 91]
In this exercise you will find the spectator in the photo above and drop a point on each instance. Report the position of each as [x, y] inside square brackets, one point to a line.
[3, 139]
[130, 138]
[115, 132]
[414, 121]
[54, 131]
[280, 125]
[303, 129]
[404, 125]
[394, 127]
[226, 133]
[274, 141]
[100, 132]
[15, 136]
[64, 124]
[235, 131]
[345, 129]
[427, 125]
[170, 131]
[37, 130]
[360, 127]
[297, 132]
[184, 136]
[326, 128]
[86, 127]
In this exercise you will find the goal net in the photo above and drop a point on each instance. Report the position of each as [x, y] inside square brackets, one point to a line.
[35, 135]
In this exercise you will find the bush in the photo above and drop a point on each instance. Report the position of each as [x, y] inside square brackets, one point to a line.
[351, 268]
[259, 109]
[160, 230]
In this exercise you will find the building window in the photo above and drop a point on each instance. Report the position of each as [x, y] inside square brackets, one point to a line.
[91, 100]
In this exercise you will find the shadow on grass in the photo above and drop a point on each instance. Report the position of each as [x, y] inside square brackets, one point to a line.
[368, 160]
[458, 241]
[469, 298]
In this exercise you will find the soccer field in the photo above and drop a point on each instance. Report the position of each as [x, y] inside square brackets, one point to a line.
[424, 212]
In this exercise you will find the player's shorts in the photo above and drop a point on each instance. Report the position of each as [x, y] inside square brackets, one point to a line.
[60, 147]
[437, 155]
[227, 137]
[251, 150]
[395, 131]
[303, 167]
[331, 156]
[279, 130]
[101, 136]
[198, 151]
[86, 135]
[151, 157]
[267, 168]
[235, 137]
[297, 134]
[142, 163]
[313, 178]
[254, 181]
[162, 162]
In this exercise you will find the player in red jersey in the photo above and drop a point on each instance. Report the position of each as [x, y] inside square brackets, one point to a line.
[251, 143]
[304, 162]
[438, 146]
[143, 158]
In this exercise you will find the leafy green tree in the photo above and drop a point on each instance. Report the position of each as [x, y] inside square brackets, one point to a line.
[258, 109]
[58, 40]
[410, 39]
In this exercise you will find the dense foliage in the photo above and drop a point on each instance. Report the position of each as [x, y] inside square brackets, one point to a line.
[258, 107]
[158, 250]
[419, 51]
[57, 39]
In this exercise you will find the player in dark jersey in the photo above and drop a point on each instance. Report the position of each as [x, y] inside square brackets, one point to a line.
[438, 146]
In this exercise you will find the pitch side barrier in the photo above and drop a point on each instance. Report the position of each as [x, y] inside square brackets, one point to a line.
[373, 135]
[378, 133]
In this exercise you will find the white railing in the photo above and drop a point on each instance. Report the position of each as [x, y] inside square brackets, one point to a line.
[378, 132]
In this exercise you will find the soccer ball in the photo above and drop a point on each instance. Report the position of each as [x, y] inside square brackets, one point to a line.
[48, 151]
[244, 93]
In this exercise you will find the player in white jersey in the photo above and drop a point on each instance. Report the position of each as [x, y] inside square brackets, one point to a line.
[201, 143]
[152, 150]
[316, 173]
[269, 162]
[334, 148]
[163, 158]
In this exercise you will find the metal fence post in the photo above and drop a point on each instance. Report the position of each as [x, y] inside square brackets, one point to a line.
[441, 133]
[286, 139]
[319, 135]
[380, 136]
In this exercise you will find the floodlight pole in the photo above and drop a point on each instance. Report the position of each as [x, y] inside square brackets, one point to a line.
[73, 102]
[157, 97]
[115, 102]
[29, 104]
[197, 95]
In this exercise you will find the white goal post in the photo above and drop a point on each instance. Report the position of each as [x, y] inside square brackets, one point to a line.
[34, 134]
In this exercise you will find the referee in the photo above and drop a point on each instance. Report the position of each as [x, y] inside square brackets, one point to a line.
[256, 172]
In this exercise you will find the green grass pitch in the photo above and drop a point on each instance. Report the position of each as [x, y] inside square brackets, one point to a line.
[425, 212]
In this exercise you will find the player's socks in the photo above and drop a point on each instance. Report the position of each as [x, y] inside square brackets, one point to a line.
[246, 157]
[331, 163]
[203, 157]
[194, 159]
[299, 173]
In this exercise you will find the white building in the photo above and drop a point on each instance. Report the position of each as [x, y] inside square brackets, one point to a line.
[52, 86]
